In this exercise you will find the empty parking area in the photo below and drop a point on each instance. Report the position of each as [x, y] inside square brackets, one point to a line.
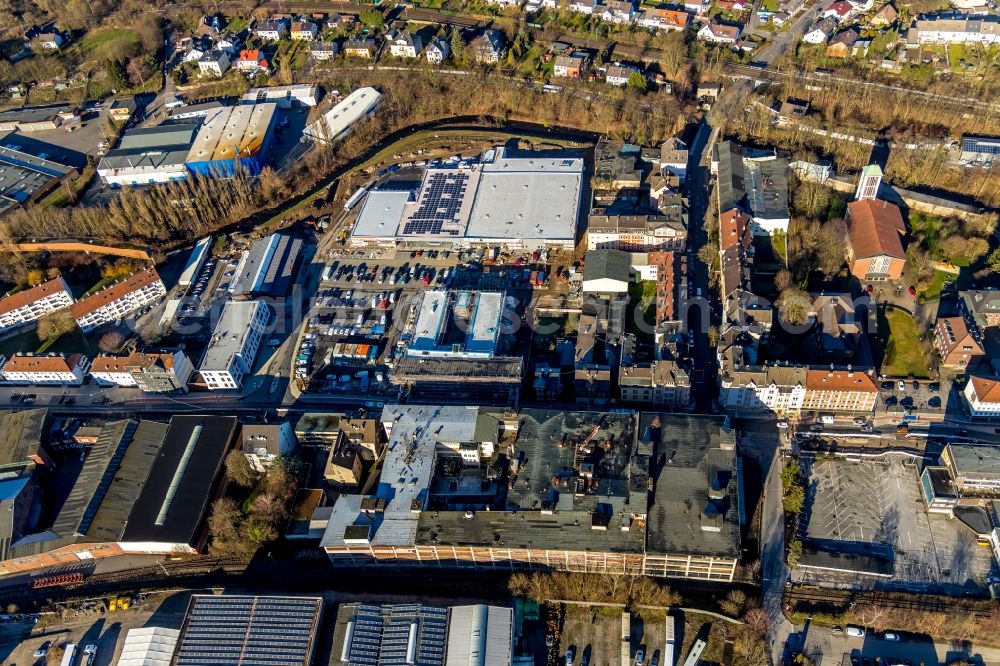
[878, 504]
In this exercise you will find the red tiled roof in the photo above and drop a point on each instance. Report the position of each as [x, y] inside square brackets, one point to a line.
[987, 390]
[840, 380]
[111, 363]
[132, 283]
[54, 363]
[733, 228]
[875, 229]
[22, 298]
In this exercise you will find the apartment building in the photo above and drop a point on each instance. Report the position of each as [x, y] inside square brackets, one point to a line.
[163, 372]
[635, 233]
[973, 468]
[954, 28]
[661, 383]
[51, 369]
[234, 344]
[119, 300]
[850, 391]
[982, 396]
[25, 307]
[957, 346]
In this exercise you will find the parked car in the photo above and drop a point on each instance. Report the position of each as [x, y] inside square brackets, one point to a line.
[857, 632]
[891, 636]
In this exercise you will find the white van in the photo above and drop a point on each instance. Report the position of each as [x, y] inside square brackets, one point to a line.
[857, 632]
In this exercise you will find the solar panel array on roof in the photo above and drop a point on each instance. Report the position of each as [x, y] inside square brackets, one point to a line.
[981, 144]
[398, 634]
[440, 203]
[236, 630]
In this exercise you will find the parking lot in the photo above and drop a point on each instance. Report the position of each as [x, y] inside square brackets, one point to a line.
[877, 507]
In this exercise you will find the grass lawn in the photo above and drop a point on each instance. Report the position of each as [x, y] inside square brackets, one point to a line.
[933, 290]
[903, 354]
[109, 43]
[771, 5]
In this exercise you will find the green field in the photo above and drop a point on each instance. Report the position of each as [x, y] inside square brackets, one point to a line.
[109, 43]
[903, 354]
[933, 290]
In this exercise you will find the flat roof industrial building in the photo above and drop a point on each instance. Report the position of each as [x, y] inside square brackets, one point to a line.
[148, 155]
[267, 268]
[25, 178]
[337, 122]
[526, 200]
[232, 137]
[230, 630]
[457, 324]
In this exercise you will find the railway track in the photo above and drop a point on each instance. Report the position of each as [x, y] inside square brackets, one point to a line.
[842, 600]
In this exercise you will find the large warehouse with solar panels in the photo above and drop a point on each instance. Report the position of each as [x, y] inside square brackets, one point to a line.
[233, 629]
[527, 200]
[402, 634]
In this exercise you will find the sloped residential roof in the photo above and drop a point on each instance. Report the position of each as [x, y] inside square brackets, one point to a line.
[875, 229]
[607, 264]
[986, 389]
[22, 298]
[132, 283]
[840, 380]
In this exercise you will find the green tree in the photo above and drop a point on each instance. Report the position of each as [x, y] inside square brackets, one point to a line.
[372, 18]
[116, 74]
[794, 552]
[637, 81]
[238, 469]
[993, 261]
[457, 44]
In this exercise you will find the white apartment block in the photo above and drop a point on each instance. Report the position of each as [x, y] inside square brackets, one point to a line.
[982, 395]
[235, 341]
[119, 300]
[26, 306]
[52, 369]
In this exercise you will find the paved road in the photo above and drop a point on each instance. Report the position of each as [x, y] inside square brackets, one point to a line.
[703, 380]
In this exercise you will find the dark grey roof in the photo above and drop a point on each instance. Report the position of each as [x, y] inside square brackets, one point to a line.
[975, 518]
[610, 264]
[191, 460]
[33, 114]
[380, 634]
[849, 563]
[696, 499]
[548, 476]
[974, 462]
[109, 521]
[561, 530]
[20, 437]
[729, 184]
[230, 630]
[152, 147]
[981, 303]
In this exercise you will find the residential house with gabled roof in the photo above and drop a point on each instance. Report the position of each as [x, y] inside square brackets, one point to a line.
[838, 11]
[885, 16]
[874, 240]
[320, 50]
[841, 45]
[982, 396]
[272, 29]
[981, 307]
[360, 48]
[584, 6]
[570, 66]
[405, 44]
[663, 18]
[438, 51]
[214, 63]
[957, 345]
[253, 61]
[720, 33]
[618, 11]
[820, 31]
[489, 47]
[303, 31]
[617, 74]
